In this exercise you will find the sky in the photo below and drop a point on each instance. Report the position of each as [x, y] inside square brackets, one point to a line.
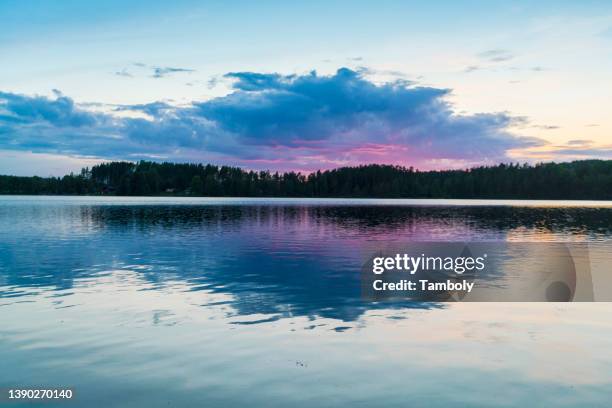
[303, 86]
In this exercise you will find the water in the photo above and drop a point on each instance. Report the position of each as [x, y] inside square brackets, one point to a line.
[158, 302]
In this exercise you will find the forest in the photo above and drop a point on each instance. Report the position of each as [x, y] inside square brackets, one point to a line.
[585, 179]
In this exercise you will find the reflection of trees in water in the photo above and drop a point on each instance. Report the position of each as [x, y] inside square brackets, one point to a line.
[273, 260]
[385, 218]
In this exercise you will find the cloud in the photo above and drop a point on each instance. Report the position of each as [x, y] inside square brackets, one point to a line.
[496, 55]
[546, 127]
[212, 82]
[124, 73]
[59, 112]
[490, 60]
[270, 120]
[156, 71]
[471, 68]
[580, 142]
[575, 149]
[584, 153]
[153, 109]
[160, 72]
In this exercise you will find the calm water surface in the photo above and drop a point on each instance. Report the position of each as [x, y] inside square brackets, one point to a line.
[156, 302]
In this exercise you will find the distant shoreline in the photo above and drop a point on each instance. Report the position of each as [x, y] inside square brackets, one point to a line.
[578, 180]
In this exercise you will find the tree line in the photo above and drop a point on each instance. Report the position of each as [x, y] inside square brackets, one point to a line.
[585, 179]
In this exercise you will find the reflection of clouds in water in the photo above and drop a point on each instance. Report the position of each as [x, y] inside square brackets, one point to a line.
[536, 342]
[529, 342]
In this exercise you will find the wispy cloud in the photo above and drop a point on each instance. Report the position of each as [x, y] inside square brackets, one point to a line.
[494, 59]
[212, 82]
[575, 149]
[160, 72]
[496, 55]
[155, 71]
[580, 142]
[124, 73]
[490, 60]
[546, 127]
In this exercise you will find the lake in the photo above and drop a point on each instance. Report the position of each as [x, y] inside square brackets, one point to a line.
[156, 302]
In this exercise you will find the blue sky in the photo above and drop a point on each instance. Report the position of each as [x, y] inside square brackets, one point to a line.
[436, 85]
